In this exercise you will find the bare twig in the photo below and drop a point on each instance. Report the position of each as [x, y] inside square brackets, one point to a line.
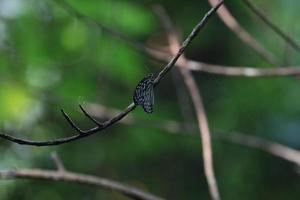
[198, 105]
[129, 108]
[241, 33]
[61, 175]
[273, 26]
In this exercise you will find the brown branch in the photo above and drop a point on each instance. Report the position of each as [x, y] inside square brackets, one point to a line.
[273, 148]
[131, 107]
[241, 71]
[58, 163]
[174, 127]
[204, 132]
[273, 26]
[62, 175]
[195, 95]
[52, 175]
[242, 34]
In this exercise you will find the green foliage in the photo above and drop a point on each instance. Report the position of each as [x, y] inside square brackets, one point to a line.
[51, 60]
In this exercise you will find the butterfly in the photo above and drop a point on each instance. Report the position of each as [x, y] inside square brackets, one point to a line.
[144, 94]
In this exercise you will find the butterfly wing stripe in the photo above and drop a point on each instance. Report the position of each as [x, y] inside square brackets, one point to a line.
[144, 94]
[148, 103]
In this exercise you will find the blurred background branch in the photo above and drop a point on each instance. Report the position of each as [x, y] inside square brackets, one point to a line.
[62, 175]
[194, 92]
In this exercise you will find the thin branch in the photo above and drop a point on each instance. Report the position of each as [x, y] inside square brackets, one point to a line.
[90, 117]
[58, 163]
[174, 127]
[70, 121]
[273, 148]
[130, 108]
[242, 34]
[58, 141]
[204, 132]
[195, 95]
[188, 40]
[52, 175]
[273, 26]
[242, 71]
[62, 175]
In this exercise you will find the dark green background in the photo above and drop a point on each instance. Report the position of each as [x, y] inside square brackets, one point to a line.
[51, 60]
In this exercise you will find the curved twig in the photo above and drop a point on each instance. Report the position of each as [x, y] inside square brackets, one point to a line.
[89, 116]
[131, 107]
[82, 134]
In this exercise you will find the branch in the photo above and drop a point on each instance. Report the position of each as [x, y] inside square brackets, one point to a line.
[58, 163]
[131, 107]
[273, 26]
[188, 40]
[204, 132]
[198, 105]
[241, 71]
[62, 175]
[242, 34]
[58, 141]
[273, 148]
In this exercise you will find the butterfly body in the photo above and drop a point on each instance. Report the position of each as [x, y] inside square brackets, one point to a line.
[144, 94]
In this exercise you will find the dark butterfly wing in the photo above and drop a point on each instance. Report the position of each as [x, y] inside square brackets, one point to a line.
[144, 95]
[149, 99]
